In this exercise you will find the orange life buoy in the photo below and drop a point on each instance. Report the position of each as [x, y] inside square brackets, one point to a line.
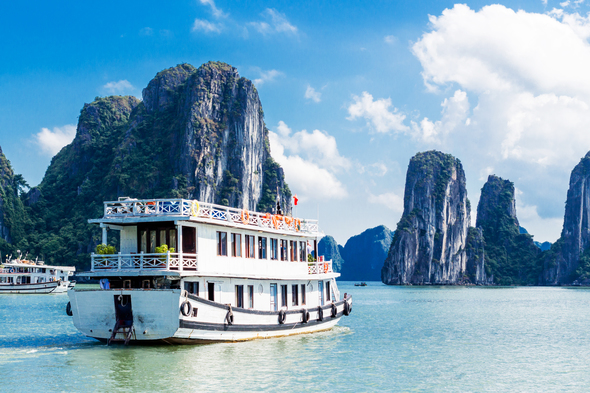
[275, 220]
[151, 203]
[326, 267]
[297, 224]
[245, 217]
[288, 221]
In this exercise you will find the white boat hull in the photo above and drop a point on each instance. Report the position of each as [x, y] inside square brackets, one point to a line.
[44, 287]
[158, 317]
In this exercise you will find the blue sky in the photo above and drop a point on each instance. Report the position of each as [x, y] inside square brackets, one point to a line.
[351, 90]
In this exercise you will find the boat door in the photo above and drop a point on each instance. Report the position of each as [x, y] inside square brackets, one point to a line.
[321, 292]
[123, 310]
[273, 297]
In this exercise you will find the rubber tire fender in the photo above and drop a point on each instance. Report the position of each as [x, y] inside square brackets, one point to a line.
[229, 317]
[334, 310]
[320, 314]
[282, 316]
[304, 316]
[347, 308]
[69, 309]
[186, 308]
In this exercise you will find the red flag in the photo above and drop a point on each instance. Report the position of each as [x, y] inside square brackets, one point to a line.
[295, 199]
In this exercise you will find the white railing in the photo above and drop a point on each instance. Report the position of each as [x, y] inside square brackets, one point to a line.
[160, 261]
[319, 267]
[192, 208]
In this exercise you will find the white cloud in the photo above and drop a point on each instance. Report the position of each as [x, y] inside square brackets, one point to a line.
[390, 200]
[377, 114]
[377, 169]
[119, 87]
[527, 75]
[313, 95]
[51, 142]
[390, 39]
[267, 76]
[218, 13]
[276, 22]
[454, 113]
[310, 162]
[206, 26]
[148, 31]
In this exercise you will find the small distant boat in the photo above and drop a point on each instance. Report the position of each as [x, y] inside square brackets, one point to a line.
[362, 284]
[25, 276]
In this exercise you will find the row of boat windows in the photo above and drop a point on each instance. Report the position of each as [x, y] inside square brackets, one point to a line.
[27, 280]
[10, 269]
[285, 250]
[298, 294]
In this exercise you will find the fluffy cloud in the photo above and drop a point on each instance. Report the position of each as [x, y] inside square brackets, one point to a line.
[276, 22]
[527, 74]
[390, 200]
[377, 113]
[267, 76]
[120, 87]
[310, 162]
[218, 13]
[206, 26]
[454, 113]
[51, 142]
[313, 95]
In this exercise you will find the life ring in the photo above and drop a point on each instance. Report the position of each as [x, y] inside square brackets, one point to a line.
[186, 308]
[326, 267]
[297, 224]
[195, 209]
[275, 220]
[347, 308]
[282, 316]
[229, 317]
[304, 316]
[334, 310]
[69, 309]
[11, 270]
[320, 314]
[245, 217]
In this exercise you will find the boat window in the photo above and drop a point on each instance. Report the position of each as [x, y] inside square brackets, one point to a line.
[284, 250]
[274, 249]
[240, 296]
[250, 296]
[163, 236]
[302, 294]
[152, 242]
[321, 292]
[236, 245]
[295, 294]
[222, 243]
[250, 246]
[211, 291]
[293, 253]
[283, 296]
[189, 240]
[302, 252]
[192, 287]
[173, 240]
[328, 290]
[273, 297]
[262, 248]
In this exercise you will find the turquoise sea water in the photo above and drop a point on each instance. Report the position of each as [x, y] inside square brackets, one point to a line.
[437, 339]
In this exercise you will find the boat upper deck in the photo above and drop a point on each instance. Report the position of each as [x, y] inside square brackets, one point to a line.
[141, 210]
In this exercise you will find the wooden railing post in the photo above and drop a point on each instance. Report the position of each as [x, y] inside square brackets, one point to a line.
[92, 262]
[168, 260]
[119, 260]
[141, 260]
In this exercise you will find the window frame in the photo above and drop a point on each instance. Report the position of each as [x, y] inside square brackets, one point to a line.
[221, 243]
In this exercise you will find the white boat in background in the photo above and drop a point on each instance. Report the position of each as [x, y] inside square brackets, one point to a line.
[229, 275]
[25, 276]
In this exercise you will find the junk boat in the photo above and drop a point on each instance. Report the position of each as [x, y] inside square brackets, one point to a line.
[191, 272]
[25, 276]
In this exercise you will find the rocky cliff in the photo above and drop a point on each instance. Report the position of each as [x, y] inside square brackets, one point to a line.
[562, 262]
[331, 250]
[13, 217]
[197, 133]
[511, 256]
[428, 246]
[364, 254]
